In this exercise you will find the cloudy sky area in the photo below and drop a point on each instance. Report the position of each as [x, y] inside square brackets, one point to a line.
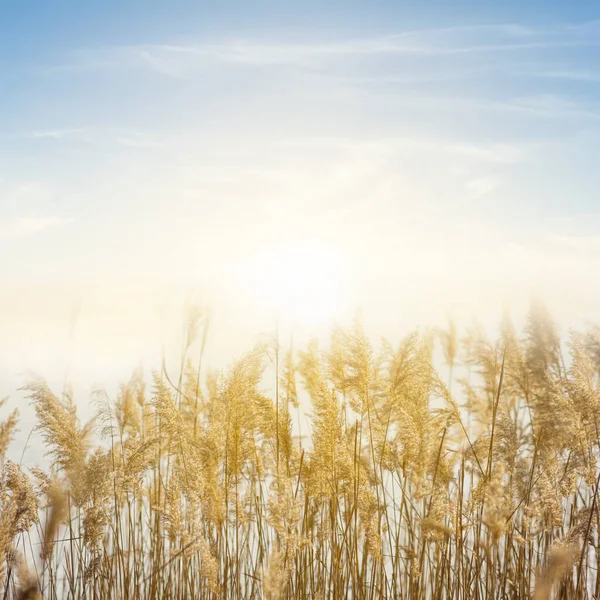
[448, 158]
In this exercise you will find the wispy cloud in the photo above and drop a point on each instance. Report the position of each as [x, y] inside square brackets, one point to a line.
[482, 186]
[539, 106]
[177, 59]
[56, 134]
[552, 105]
[500, 153]
[105, 136]
[586, 244]
[586, 76]
[138, 140]
[26, 226]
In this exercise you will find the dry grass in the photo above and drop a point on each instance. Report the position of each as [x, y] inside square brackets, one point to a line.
[410, 485]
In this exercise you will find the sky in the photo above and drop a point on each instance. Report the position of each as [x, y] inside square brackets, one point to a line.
[440, 159]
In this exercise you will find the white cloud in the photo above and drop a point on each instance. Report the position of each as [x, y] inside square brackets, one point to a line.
[56, 134]
[482, 186]
[176, 60]
[500, 153]
[99, 136]
[554, 106]
[25, 226]
[138, 140]
[586, 244]
[582, 75]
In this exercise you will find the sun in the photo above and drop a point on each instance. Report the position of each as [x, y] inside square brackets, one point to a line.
[300, 281]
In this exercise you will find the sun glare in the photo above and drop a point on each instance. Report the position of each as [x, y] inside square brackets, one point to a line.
[298, 281]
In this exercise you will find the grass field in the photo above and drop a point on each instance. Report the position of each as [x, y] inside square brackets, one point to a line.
[411, 483]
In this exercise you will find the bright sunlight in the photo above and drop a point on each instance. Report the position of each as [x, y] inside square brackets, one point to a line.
[297, 281]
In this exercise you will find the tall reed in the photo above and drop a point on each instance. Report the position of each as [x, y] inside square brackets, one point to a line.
[480, 481]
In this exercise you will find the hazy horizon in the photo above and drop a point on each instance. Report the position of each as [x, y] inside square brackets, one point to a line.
[445, 158]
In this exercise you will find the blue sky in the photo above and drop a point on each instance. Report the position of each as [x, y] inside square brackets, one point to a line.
[447, 153]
